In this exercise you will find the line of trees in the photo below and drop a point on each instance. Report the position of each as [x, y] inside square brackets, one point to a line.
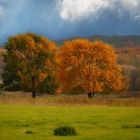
[33, 63]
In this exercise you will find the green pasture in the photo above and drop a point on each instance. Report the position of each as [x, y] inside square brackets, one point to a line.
[91, 122]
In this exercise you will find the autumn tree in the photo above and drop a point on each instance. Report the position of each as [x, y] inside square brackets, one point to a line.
[31, 59]
[137, 80]
[91, 65]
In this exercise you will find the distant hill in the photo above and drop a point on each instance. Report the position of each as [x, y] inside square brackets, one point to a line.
[116, 41]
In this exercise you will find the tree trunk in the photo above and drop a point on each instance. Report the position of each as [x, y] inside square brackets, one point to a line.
[33, 87]
[33, 94]
[90, 95]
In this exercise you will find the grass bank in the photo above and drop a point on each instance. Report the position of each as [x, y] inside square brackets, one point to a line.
[91, 122]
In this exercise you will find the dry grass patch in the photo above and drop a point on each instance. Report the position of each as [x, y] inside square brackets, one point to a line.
[25, 98]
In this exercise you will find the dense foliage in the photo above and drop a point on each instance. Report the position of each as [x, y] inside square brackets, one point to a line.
[91, 65]
[29, 59]
[65, 131]
[29, 56]
[129, 59]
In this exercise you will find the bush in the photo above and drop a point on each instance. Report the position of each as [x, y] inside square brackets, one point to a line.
[49, 85]
[29, 132]
[65, 131]
[14, 86]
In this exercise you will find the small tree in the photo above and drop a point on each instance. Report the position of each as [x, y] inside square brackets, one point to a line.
[32, 58]
[91, 65]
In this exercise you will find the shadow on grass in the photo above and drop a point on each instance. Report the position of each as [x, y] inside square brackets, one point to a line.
[127, 126]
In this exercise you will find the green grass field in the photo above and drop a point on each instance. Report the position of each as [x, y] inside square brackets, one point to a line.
[91, 122]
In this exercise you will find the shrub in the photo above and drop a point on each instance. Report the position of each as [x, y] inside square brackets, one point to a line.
[65, 131]
[14, 86]
[28, 132]
[49, 85]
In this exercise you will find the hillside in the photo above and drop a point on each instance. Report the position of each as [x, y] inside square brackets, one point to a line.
[116, 41]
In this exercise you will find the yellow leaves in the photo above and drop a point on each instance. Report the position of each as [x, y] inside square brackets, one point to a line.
[52, 47]
[92, 65]
[20, 74]
[31, 43]
[74, 60]
[42, 76]
[80, 62]
[35, 57]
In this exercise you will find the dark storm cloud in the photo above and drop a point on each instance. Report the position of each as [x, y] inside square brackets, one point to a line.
[37, 16]
[57, 19]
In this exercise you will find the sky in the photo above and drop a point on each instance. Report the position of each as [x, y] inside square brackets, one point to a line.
[58, 19]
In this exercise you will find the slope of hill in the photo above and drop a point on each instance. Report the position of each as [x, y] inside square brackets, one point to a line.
[116, 41]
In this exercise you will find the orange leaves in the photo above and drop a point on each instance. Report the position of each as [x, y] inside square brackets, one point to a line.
[92, 65]
[34, 57]
[79, 63]
[42, 76]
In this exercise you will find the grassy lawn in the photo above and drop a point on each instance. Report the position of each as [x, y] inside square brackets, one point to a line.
[91, 122]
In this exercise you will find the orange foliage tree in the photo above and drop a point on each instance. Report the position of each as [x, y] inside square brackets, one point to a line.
[34, 57]
[91, 65]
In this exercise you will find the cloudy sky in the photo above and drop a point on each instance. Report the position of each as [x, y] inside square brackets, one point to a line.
[58, 19]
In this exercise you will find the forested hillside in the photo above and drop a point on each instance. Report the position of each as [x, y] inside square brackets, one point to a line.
[128, 51]
[116, 41]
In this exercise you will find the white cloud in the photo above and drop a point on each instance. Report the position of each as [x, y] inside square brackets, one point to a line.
[73, 10]
[8, 10]
[137, 17]
[2, 13]
[132, 6]
[8, 13]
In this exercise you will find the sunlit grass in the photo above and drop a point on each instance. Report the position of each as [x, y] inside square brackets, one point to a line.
[27, 122]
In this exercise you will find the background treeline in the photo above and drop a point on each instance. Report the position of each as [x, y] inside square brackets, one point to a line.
[129, 58]
[127, 49]
[115, 41]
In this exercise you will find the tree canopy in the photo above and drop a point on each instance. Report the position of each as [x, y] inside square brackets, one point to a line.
[91, 65]
[32, 59]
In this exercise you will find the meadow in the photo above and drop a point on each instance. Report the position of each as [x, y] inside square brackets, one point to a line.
[94, 119]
